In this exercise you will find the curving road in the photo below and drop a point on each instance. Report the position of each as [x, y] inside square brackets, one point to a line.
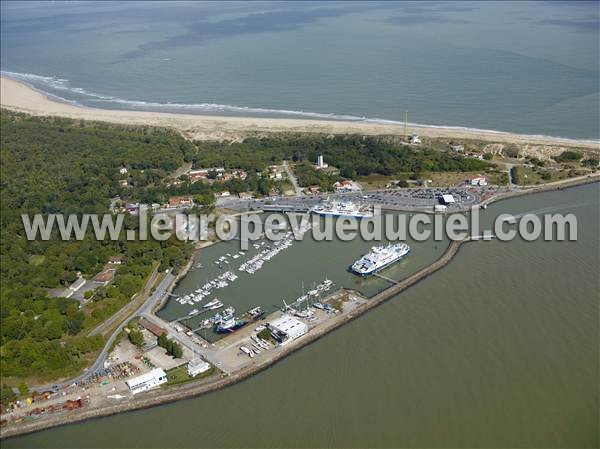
[99, 362]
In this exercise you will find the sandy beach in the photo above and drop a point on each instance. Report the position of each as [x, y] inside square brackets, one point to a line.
[18, 96]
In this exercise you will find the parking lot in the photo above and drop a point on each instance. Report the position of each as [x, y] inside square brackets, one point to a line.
[417, 199]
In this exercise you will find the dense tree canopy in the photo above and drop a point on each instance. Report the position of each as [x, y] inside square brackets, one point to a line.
[51, 165]
[353, 155]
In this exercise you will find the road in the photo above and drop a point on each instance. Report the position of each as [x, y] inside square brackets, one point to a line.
[98, 364]
[292, 179]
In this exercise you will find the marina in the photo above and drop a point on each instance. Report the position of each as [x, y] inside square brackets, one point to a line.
[299, 273]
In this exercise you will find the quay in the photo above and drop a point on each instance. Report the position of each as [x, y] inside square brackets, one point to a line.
[385, 278]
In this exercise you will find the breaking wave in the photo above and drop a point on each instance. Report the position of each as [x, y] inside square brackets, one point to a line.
[61, 84]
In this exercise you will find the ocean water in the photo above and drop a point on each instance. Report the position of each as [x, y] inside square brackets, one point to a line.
[527, 67]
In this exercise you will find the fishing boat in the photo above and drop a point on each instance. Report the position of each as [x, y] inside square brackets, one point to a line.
[228, 322]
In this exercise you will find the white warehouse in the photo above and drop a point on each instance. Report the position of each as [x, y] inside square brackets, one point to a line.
[147, 381]
[287, 328]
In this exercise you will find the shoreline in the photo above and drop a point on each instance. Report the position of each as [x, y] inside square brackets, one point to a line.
[21, 97]
[195, 389]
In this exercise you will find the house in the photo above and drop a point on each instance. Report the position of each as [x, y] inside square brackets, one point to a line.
[274, 172]
[150, 326]
[196, 175]
[115, 260]
[475, 155]
[414, 139]
[223, 193]
[239, 174]
[346, 185]
[105, 276]
[478, 181]
[314, 190]
[197, 366]
[123, 170]
[245, 195]
[458, 148]
[180, 202]
[123, 183]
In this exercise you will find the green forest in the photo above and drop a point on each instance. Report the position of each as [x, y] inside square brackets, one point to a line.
[51, 165]
[353, 155]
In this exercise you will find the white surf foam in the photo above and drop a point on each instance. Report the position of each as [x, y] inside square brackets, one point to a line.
[62, 84]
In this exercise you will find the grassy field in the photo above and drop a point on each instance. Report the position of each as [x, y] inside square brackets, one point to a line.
[179, 375]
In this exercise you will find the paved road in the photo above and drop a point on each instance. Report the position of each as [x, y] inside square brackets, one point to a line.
[99, 363]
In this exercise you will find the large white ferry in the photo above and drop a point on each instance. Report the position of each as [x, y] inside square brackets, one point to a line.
[343, 209]
[380, 257]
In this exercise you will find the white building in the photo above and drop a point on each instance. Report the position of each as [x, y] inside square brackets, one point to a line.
[478, 181]
[287, 328]
[320, 162]
[147, 381]
[123, 171]
[440, 208]
[197, 366]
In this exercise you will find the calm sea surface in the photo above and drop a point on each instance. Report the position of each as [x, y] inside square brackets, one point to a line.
[498, 349]
[528, 67]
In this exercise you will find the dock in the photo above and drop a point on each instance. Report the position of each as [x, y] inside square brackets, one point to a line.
[402, 285]
[188, 317]
[385, 278]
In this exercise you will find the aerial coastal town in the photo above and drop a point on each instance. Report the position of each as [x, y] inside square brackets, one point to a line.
[299, 224]
[149, 357]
